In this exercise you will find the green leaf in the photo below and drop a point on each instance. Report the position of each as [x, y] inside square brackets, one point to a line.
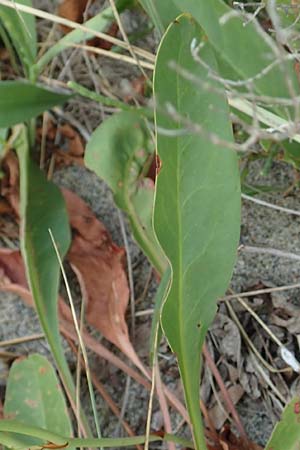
[197, 204]
[34, 396]
[98, 23]
[292, 152]
[232, 37]
[118, 152]
[21, 101]
[21, 28]
[22, 430]
[42, 208]
[3, 136]
[286, 434]
[161, 13]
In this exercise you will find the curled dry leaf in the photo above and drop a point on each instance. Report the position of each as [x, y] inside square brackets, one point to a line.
[98, 264]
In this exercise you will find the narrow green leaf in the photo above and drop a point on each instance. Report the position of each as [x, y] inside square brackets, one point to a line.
[21, 28]
[22, 430]
[118, 152]
[34, 397]
[21, 101]
[242, 51]
[197, 204]
[161, 13]
[286, 434]
[42, 208]
[98, 23]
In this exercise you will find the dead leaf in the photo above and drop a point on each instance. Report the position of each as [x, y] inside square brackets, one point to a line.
[229, 441]
[218, 415]
[12, 274]
[102, 43]
[10, 181]
[72, 10]
[285, 314]
[63, 141]
[98, 265]
[228, 337]
[75, 144]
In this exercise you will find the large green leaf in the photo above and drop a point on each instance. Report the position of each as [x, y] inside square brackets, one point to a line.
[197, 204]
[42, 208]
[22, 31]
[21, 101]
[118, 152]
[34, 397]
[286, 434]
[161, 13]
[243, 51]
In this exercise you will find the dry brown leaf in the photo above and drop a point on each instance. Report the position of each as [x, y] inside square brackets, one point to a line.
[75, 144]
[12, 275]
[229, 441]
[228, 337]
[64, 141]
[72, 10]
[218, 415]
[10, 181]
[98, 264]
[102, 43]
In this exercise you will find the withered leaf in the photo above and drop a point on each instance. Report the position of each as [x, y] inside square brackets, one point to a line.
[72, 10]
[98, 264]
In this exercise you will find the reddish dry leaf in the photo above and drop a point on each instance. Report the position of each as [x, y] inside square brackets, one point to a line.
[102, 43]
[72, 10]
[64, 141]
[12, 274]
[75, 144]
[5, 207]
[10, 181]
[98, 264]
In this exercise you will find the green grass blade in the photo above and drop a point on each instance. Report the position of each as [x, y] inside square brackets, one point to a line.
[98, 23]
[161, 13]
[286, 434]
[197, 205]
[21, 28]
[118, 152]
[21, 430]
[33, 396]
[21, 101]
